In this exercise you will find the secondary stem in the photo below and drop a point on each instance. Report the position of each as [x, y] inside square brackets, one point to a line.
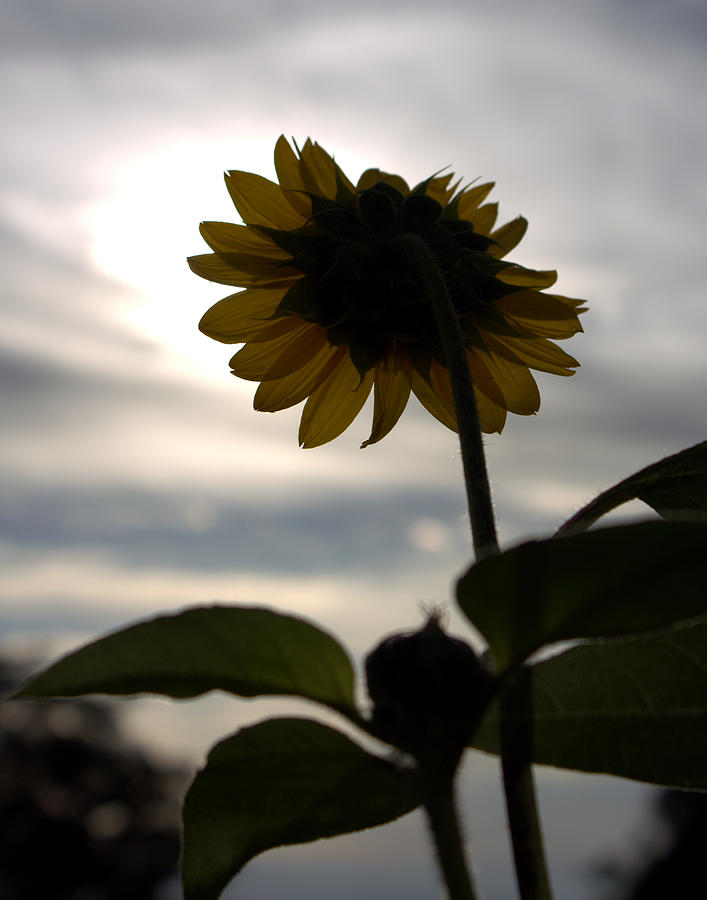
[521, 804]
[444, 825]
[526, 836]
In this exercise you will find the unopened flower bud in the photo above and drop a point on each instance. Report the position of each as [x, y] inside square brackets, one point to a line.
[428, 691]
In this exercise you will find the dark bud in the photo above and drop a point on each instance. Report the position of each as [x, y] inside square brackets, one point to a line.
[429, 692]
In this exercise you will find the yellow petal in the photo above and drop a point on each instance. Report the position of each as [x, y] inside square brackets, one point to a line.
[298, 353]
[256, 361]
[484, 218]
[287, 166]
[225, 237]
[245, 316]
[242, 270]
[537, 353]
[471, 198]
[348, 185]
[391, 391]
[318, 171]
[371, 177]
[520, 392]
[482, 378]
[438, 188]
[261, 202]
[519, 276]
[334, 405]
[544, 315]
[437, 398]
[491, 416]
[507, 237]
[436, 401]
[293, 389]
[579, 306]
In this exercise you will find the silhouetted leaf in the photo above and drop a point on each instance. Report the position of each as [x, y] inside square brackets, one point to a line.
[676, 488]
[242, 650]
[283, 781]
[601, 583]
[633, 707]
[679, 499]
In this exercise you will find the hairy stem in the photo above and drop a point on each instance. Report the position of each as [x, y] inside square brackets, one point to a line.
[443, 820]
[526, 836]
[478, 492]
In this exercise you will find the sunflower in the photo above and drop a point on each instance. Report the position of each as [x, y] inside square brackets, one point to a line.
[333, 305]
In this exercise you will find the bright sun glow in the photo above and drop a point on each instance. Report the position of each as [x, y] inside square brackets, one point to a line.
[148, 225]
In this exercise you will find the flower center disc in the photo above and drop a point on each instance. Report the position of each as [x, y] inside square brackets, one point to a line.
[362, 278]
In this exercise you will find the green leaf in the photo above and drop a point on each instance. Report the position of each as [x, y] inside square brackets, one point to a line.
[283, 781]
[633, 707]
[675, 487]
[679, 499]
[242, 650]
[602, 583]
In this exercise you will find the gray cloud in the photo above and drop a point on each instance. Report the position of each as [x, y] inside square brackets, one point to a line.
[46, 25]
[80, 24]
[187, 530]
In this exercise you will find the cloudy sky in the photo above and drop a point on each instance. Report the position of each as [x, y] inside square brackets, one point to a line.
[136, 476]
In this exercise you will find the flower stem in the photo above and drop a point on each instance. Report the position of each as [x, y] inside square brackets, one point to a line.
[441, 812]
[478, 492]
[526, 836]
[521, 803]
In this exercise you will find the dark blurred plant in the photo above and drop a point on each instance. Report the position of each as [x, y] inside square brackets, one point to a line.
[83, 816]
[670, 859]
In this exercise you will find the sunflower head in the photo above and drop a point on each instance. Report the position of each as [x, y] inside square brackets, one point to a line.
[332, 304]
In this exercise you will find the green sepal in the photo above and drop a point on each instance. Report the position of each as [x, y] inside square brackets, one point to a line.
[478, 286]
[633, 707]
[282, 781]
[245, 651]
[322, 204]
[675, 487]
[299, 301]
[364, 354]
[601, 583]
[491, 319]
[379, 211]
[421, 360]
[468, 240]
[333, 219]
[243, 261]
[420, 212]
[307, 239]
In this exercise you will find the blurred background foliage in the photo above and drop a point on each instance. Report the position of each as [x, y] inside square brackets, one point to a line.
[84, 815]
